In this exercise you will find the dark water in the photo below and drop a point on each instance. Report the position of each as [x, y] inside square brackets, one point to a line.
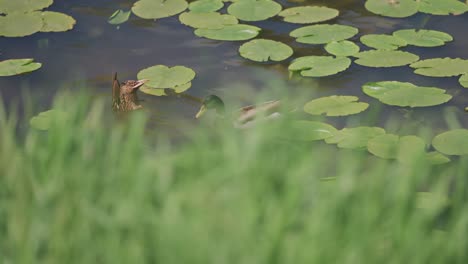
[85, 58]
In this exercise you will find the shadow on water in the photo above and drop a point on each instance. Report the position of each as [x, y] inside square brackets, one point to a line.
[86, 57]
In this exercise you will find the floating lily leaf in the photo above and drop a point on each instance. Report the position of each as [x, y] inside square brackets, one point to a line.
[385, 58]
[318, 66]
[392, 8]
[161, 76]
[437, 158]
[442, 7]
[254, 10]
[391, 146]
[342, 48]
[322, 34]
[56, 22]
[464, 80]
[205, 6]
[23, 6]
[20, 25]
[18, 66]
[264, 50]
[352, 138]
[162, 92]
[308, 14]
[44, 120]
[423, 38]
[119, 17]
[453, 142]
[154, 9]
[211, 20]
[441, 67]
[405, 94]
[230, 33]
[311, 130]
[335, 106]
[383, 42]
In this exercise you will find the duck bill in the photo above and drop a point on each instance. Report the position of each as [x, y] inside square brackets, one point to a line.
[140, 83]
[201, 111]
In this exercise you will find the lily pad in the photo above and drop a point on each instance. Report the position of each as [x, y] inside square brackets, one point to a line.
[453, 142]
[335, 106]
[264, 50]
[353, 138]
[205, 6]
[161, 76]
[319, 66]
[311, 130]
[211, 20]
[230, 32]
[162, 92]
[18, 66]
[20, 25]
[342, 48]
[385, 58]
[442, 7]
[423, 38]
[254, 10]
[56, 22]
[464, 80]
[393, 8]
[154, 9]
[382, 41]
[119, 17]
[405, 94]
[441, 67]
[308, 14]
[23, 6]
[437, 158]
[391, 146]
[322, 34]
[44, 120]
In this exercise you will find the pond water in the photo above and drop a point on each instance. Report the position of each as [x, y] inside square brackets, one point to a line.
[86, 57]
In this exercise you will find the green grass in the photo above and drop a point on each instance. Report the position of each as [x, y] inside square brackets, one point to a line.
[85, 192]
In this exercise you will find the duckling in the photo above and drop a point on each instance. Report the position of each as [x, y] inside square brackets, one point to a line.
[124, 98]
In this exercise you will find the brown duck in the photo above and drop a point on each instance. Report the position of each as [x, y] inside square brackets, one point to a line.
[124, 95]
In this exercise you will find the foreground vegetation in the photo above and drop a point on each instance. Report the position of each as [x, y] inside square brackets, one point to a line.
[85, 192]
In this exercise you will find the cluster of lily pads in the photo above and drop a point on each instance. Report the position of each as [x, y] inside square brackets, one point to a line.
[406, 8]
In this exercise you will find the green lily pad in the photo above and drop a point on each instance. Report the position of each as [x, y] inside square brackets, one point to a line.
[319, 66]
[423, 38]
[385, 58]
[389, 146]
[382, 41]
[23, 6]
[254, 10]
[211, 20]
[162, 92]
[322, 34]
[442, 7]
[393, 8]
[441, 67]
[308, 14]
[161, 76]
[335, 106]
[230, 32]
[405, 94]
[45, 119]
[205, 6]
[264, 50]
[437, 158]
[464, 80]
[342, 48]
[18, 66]
[453, 142]
[154, 9]
[119, 17]
[20, 25]
[56, 22]
[353, 138]
[311, 130]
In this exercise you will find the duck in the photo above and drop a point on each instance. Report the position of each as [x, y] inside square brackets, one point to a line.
[244, 117]
[124, 95]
